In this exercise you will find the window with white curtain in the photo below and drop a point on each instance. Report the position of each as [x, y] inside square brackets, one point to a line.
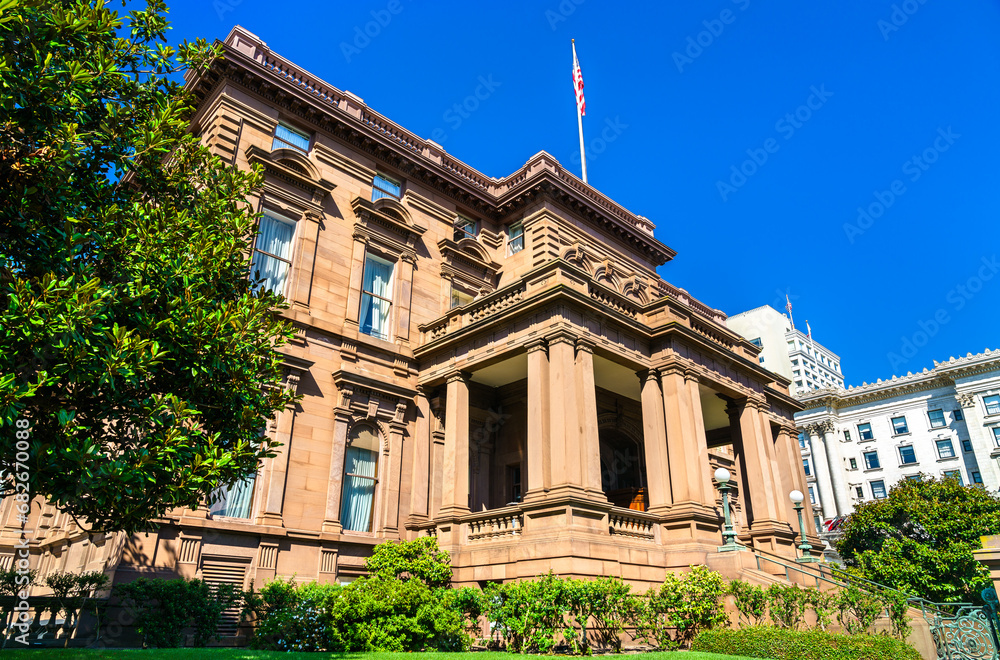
[234, 501]
[385, 186]
[272, 254]
[376, 297]
[360, 478]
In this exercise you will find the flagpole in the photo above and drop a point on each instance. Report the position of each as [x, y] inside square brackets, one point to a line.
[579, 121]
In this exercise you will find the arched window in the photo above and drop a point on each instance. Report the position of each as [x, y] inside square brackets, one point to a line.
[360, 477]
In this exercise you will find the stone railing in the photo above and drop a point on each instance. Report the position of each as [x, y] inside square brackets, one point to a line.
[475, 311]
[668, 289]
[466, 173]
[612, 300]
[392, 131]
[497, 524]
[632, 524]
[604, 203]
[712, 334]
[291, 73]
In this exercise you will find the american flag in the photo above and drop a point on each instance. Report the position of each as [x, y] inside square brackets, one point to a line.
[581, 103]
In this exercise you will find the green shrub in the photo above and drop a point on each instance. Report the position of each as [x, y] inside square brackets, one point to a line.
[857, 609]
[786, 605]
[784, 644]
[823, 606]
[750, 601]
[164, 608]
[420, 558]
[683, 606]
[529, 615]
[387, 614]
[291, 617]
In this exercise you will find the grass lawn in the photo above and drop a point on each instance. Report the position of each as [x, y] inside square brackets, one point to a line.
[244, 654]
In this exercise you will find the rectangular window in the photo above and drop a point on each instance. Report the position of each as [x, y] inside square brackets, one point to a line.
[466, 228]
[953, 474]
[514, 483]
[854, 463]
[233, 501]
[913, 477]
[847, 435]
[906, 455]
[976, 477]
[459, 297]
[515, 239]
[272, 254]
[805, 466]
[384, 186]
[286, 137]
[899, 425]
[802, 441]
[966, 445]
[376, 297]
[756, 342]
[992, 404]
[812, 495]
[937, 418]
[360, 478]
[865, 431]
[945, 449]
[878, 489]
[996, 435]
[859, 492]
[871, 460]
[957, 415]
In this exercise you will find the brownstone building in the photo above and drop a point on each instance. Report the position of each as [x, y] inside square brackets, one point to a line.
[494, 362]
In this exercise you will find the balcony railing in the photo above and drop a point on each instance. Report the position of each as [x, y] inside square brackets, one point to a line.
[498, 524]
[632, 524]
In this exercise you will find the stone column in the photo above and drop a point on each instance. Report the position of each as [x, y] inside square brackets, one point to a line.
[404, 291]
[420, 473]
[654, 442]
[590, 445]
[760, 492]
[437, 455]
[687, 448]
[565, 419]
[274, 475]
[308, 229]
[393, 476]
[353, 311]
[836, 467]
[693, 516]
[335, 484]
[538, 475]
[793, 475]
[783, 482]
[823, 470]
[455, 487]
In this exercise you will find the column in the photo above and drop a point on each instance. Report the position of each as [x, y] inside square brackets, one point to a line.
[759, 484]
[590, 445]
[404, 291]
[455, 487]
[335, 483]
[822, 467]
[565, 427]
[308, 229]
[783, 482]
[790, 455]
[538, 477]
[836, 467]
[353, 311]
[687, 449]
[420, 480]
[273, 477]
[437, 455]
[393, 477]
[654, 441]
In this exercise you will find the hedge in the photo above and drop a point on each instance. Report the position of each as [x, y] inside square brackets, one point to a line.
[785, 644]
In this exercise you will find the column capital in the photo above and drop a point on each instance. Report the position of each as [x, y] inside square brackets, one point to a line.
[646, 375]
[672, 369]
[536, 344]
[458, 375]
[561, 336]
[691, 374]
[826, 426]
[585, 344]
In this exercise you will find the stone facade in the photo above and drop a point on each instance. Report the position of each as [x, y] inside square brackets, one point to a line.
[942, 421]
[529, 390]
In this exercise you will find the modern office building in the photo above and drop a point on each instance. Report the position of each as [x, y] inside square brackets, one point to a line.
[945, 422]
[494, 362]
[787, 350]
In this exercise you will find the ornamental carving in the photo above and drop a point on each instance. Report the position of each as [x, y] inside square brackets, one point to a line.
[967, 400]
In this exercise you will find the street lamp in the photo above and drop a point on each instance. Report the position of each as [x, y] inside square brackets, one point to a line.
[796, 497]
[728, 535]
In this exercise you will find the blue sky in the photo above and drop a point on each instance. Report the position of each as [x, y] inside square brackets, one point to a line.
[887, 107]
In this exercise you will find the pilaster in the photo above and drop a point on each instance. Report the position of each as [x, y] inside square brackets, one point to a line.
[455, 486]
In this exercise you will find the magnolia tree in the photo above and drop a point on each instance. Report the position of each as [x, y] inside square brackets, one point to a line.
[137, 362]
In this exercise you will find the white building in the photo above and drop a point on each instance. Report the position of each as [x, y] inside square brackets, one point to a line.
[859, 442]
[788, 351]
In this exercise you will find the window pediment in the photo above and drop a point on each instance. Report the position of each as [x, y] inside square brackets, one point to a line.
[294, 167]
[387, 214]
